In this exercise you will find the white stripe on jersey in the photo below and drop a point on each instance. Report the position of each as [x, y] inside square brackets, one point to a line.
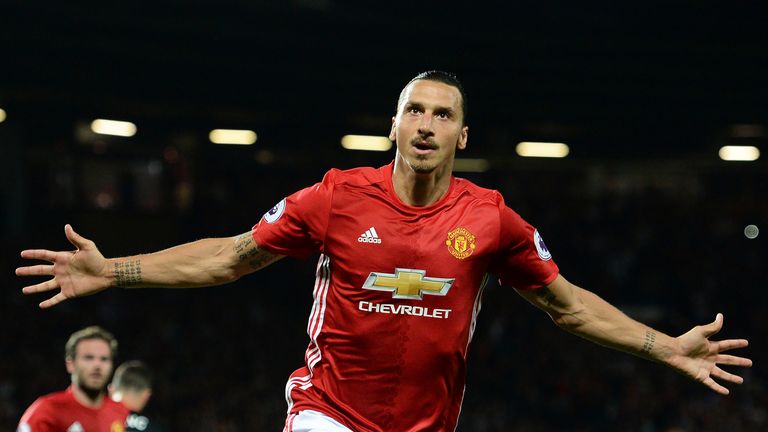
[289, 423]
[301, 382]
[373, 232]
[325, 283]
[313, 358]
[476, 309]
[318, 284]
[317, 316]
[475, 313]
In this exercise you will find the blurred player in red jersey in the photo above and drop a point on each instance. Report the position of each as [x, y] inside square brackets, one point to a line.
[404, 253]
[83, 406]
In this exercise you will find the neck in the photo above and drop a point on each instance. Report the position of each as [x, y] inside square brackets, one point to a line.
[420, 189]
[88, 397]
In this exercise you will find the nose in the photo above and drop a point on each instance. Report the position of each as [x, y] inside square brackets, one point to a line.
[425, 125]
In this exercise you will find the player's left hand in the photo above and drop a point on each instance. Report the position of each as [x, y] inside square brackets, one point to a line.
[699, 358]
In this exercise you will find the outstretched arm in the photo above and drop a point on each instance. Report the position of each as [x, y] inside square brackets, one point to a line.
[85, 271]
[692, 354]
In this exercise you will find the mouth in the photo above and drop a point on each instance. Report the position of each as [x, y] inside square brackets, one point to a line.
[423, 147]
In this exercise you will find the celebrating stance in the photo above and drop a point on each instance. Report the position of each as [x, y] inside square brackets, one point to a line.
[405, 251]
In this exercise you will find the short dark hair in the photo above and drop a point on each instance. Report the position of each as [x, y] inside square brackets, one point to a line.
[448, 78]
[92, 332]
[132, 375]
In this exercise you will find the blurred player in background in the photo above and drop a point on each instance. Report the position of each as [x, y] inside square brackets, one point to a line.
[405, 251]
[83, 406]
[132, 387]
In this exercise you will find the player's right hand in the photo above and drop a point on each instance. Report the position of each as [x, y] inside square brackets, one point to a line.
[76, 273]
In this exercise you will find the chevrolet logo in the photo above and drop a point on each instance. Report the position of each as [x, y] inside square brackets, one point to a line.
[408, 284]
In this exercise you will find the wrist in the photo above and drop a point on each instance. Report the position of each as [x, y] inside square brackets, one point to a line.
[124, 272]
[666, 348]
[108, 272]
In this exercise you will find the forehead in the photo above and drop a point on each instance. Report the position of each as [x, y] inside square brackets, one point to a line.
[94, 347]
[435, 93]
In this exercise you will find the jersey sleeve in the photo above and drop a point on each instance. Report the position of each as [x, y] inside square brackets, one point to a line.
[296, 226]
[523, 260]
[37, 418]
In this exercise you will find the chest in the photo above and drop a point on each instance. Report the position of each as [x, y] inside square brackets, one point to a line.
[78, 419]
[373, 235]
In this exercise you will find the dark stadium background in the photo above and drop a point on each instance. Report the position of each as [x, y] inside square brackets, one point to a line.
[642, 211]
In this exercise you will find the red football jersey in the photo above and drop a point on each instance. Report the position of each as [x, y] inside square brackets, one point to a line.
[397, 293]
[61, 412]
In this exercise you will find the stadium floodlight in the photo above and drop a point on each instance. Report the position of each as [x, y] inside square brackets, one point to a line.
[366, 142]
[739, 153]
[113, 127]
[233, 136]
[542, 149]
[470, 165]
[2, 115]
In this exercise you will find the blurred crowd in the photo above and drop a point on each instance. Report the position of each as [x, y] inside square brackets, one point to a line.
[663, 242]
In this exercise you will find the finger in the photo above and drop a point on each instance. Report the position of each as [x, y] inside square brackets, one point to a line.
[37, 270]
[713, 327]
[709, 382]
[730, 344]
[76, 239]
[726, 376]
[53, 301]
[41, 287]
[39, 254]
[730, 360]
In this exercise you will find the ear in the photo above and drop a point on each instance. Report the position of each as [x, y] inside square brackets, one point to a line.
[70, 366]
[392, 134]
[463, 136]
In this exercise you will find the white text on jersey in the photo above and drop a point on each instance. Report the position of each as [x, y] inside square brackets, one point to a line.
[400, 309]
[369, 236]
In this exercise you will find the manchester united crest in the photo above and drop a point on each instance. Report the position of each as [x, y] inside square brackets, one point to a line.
[461, 243]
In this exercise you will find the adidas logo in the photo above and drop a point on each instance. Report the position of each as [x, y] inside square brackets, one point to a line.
[369, 236]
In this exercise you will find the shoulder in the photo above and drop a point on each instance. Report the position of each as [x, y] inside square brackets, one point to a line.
[51, 399]
[470, 189]
[116, 407]
[361, 176]
[44, 407]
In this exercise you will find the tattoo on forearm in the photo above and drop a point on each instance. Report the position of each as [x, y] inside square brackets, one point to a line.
[127, 273]
[247, 251]
[545, 295]
[650, 340]
[244, 247]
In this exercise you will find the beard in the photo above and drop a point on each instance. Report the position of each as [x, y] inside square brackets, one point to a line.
[422, 166]
[92, 391]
